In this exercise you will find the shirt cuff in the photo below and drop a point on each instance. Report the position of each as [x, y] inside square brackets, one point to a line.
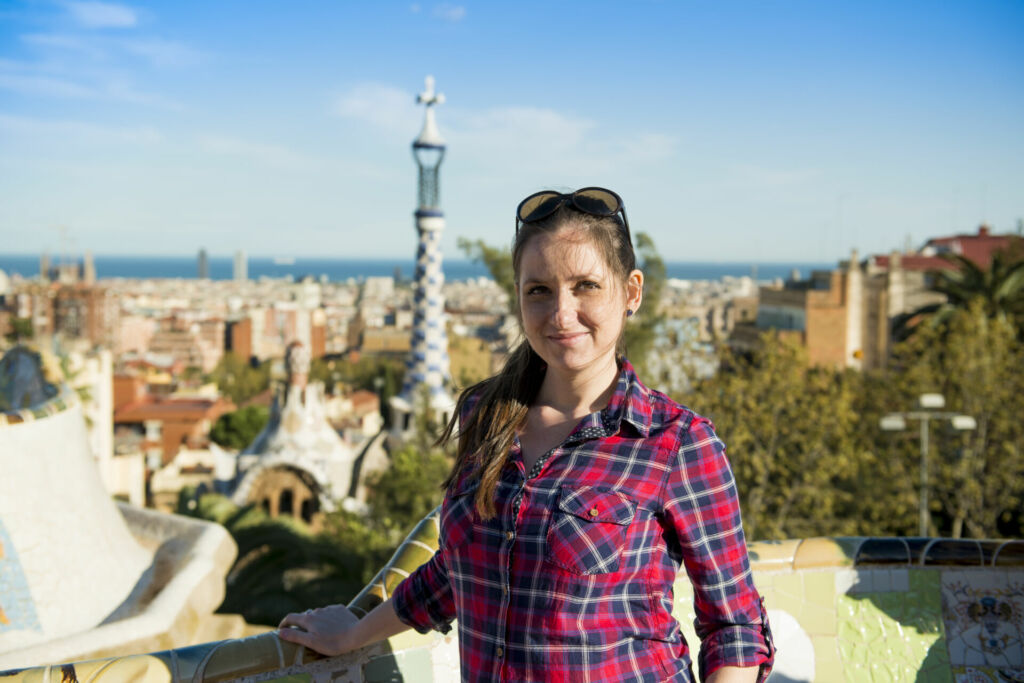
[742, 645]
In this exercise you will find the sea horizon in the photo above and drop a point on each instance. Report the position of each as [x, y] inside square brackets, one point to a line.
[110, 266]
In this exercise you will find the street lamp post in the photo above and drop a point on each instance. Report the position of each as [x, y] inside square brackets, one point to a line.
[930, 406]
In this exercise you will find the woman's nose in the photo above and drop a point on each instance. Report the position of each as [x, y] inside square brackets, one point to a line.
[564, 309]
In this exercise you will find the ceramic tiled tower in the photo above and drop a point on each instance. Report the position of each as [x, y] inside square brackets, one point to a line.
[427, 365]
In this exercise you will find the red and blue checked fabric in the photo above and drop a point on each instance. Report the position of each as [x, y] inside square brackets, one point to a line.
[572, 579]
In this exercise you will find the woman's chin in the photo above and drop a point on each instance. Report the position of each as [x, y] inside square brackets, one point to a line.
[571, 361]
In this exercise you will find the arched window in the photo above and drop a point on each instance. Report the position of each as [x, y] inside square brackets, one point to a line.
[309, 508]
[286, 503]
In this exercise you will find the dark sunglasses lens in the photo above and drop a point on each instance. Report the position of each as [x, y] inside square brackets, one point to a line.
[597, 202]
[539, 206]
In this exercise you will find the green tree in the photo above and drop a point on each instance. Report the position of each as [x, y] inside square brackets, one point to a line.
[974, 360]
[640, 330]
[238, 380]
[380, 374]
[399, 497]
[21, 329]
[281, 567]
[791, 433]
[999, 288]
[239, 428]
[497, 260]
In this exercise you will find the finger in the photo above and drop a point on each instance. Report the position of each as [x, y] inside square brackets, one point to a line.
[296, 619]
[294, 635]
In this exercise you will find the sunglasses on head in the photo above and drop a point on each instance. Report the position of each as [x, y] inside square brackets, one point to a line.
[597, 201]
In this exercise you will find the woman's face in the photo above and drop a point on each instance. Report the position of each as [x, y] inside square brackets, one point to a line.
[573, 308]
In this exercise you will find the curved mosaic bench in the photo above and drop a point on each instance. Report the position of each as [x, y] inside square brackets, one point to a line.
[47, 379]
[856, 609]
[148, 580]
[67, 398]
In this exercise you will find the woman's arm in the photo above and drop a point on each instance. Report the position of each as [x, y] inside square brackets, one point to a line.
[701, 507]
[734, 674]
[334, 630]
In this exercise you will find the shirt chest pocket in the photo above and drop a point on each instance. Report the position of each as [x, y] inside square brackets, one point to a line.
[458, 516]
[588, 529]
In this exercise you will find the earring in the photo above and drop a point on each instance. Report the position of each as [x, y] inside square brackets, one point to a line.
[629, 312]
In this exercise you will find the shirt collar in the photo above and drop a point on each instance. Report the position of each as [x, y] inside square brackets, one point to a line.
[630, 403]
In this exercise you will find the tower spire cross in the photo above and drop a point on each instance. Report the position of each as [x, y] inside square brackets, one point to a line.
[428, 96]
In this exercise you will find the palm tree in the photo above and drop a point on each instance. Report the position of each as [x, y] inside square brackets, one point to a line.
[1000, 287]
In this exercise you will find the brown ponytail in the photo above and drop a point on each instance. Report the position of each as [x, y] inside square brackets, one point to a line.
[485, 437]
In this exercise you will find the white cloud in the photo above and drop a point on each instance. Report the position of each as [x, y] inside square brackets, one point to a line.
[769, 178]
[526, 138]
[78, 131]
[449, 12]
[60, 41]
[163, 52]
[102, 14]
[383, 106]
[518, 128]
[647, 147]
[268, 154]
[27, 80]
[44, 85]
[126, 92]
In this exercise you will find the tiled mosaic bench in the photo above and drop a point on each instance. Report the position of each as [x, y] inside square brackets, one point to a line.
[842, 609]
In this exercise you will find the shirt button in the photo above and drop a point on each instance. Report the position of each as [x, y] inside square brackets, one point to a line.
[500, 652]
[509, 535]
[593, 512]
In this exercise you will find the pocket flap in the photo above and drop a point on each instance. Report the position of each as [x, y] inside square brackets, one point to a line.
[596, 505]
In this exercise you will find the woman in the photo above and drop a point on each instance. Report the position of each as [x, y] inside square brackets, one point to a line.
[577, 494]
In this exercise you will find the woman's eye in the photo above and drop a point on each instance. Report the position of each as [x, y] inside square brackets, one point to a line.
[589, 284]
[535, 291]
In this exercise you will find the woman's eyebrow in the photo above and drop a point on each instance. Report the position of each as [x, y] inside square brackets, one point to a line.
[573, 276]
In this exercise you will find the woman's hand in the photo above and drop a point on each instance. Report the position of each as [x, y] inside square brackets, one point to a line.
[328, 630]
[335, 630]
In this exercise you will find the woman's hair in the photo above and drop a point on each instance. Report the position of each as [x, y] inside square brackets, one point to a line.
[498, 405]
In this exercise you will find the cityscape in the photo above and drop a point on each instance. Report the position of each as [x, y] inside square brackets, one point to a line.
[194, 446]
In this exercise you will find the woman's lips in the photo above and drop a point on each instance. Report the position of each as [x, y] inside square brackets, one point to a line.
[567, 338]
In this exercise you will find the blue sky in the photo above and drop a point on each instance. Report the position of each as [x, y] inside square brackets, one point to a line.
[762, 131]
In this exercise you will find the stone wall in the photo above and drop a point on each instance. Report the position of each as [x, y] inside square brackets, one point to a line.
[844, 609]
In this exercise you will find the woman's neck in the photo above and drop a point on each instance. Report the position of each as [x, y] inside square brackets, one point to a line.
[579, 393]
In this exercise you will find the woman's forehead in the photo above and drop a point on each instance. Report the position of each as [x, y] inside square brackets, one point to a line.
[560, 254]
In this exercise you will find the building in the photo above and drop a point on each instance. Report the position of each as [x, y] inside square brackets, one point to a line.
[88, 269]
[427, 368]
[812, 311]
[162, 426]
[238, 337]
[203, 265]
[241, 270]
[83, 311]
[978, 247]
[845, 317]
[298, 465]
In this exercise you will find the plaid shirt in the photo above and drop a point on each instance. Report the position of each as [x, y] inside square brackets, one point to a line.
[572, 579]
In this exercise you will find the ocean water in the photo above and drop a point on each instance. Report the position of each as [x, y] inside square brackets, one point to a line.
[344, 269]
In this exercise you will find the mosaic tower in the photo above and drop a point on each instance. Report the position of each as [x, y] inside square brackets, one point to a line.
[427, 365]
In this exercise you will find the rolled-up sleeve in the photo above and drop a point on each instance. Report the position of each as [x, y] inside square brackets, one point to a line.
[424, 599]
[702, 507]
